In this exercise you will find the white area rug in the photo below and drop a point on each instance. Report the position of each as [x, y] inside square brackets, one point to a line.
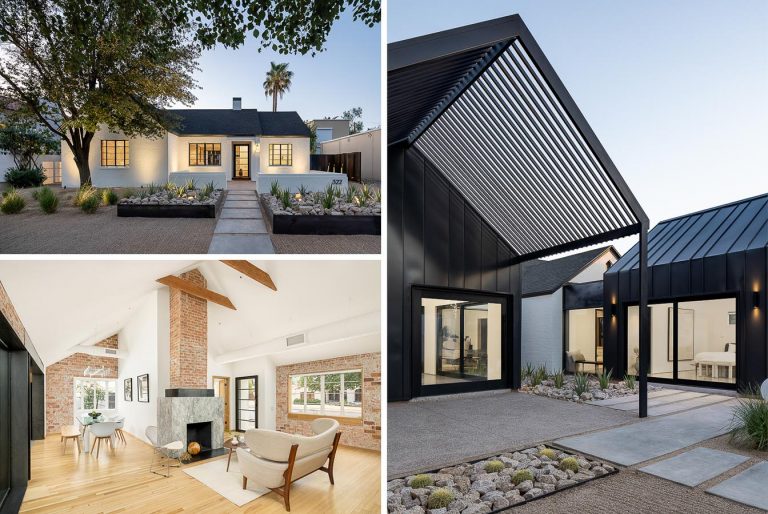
[229, 484]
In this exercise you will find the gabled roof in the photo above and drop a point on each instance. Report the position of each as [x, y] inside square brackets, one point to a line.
[545, 277]
[242, 122]
[729, 228]
[483, 104]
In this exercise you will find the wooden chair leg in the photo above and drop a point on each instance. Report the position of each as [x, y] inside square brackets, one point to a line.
[98, 447]
[245, 481]
[77, 440]
[64, 450]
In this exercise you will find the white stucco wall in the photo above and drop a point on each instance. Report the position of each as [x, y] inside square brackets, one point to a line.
[179, 154]
[595, 270]
[300, 154]
[542, 331]
[148, 162]
[367, 143]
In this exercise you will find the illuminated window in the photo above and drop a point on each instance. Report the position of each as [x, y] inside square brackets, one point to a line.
[280, 155]
[204, 154]
[114, 153]
[338, 393]
[94, 394]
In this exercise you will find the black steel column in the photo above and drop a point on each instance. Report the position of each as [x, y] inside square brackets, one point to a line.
[645, 321]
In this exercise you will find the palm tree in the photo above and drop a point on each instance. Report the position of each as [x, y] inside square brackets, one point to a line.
[278, 82]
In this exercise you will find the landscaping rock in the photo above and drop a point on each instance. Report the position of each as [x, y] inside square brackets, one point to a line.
[533, 493]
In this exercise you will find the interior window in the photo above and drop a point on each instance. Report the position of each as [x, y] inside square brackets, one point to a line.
[328, 394]
[280, 154]
[114, 153]
[204, 154]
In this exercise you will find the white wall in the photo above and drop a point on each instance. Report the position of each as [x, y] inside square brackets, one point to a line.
[148, 162]
[367, 143]
[595, 270]
[542, 331]
[179, 154]
[139, 338]
[300, 154]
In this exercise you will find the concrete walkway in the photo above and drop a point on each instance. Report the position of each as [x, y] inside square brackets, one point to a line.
[647, 440]
[665, 401]
[240, 228]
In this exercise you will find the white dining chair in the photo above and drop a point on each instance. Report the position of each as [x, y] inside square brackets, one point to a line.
[105, 430]
[120, 423]
[165, 451]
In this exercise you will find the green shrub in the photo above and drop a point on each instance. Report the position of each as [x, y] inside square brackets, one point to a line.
[440, 499]
[521, 475]
[35, 194]
[629, 381]
[327, 201]
[349, 194]
[90, 203]
[285, 198]
[749, 425]
[274, 188]
[48, 200]
[527, 370]
[25, 177]
[109, 197]
[181, 191]
[539, 374]
[559, 379]
[420, 481]
[83, 193]
[153, 188]
[548, 453]
[580, 383]
[377, 196]
[569, 463]
[493, 466]
[303, 191]
[604, 378]
[208, 189]
[169, 186]
[190, 185]
[129, 193]
[12, 202]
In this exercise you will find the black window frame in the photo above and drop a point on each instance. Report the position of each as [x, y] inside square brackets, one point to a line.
[126, 153]
[207, 154]
[255, 411]
[279, 148]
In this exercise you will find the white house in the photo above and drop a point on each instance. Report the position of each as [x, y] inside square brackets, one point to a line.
[562, 310]
[219, 145]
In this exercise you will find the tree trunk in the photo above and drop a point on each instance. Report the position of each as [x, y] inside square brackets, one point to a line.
[274, 101]
[81, 148]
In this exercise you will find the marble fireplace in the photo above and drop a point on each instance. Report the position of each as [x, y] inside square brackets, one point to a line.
[192, 414]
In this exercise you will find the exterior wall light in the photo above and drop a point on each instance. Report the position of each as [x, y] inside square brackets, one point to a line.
[756, 299]
[613, 310]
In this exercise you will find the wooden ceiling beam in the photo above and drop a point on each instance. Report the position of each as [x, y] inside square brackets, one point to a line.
[195, 290]
[252, 271]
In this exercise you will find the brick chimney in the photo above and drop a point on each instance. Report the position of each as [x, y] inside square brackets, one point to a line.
[189, 336]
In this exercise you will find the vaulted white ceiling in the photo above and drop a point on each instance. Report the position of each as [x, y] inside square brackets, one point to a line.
[66, 303]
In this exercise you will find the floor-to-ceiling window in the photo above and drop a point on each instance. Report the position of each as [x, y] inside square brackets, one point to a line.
[461, 338]
[584, 338]
[691, 340]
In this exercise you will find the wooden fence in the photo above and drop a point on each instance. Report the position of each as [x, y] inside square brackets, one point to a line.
[348, 163]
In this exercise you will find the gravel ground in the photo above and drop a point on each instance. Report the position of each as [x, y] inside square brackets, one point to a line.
[326, 244]
[71, 231]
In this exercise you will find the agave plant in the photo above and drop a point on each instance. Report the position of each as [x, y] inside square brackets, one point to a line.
[190, 185]
[349, 194]
[169, 186]
[558, 378]
[539, 374]
[580, 383]
[377, 195]
[528, 370]
[365, 190]
[208, 189]
[152, 188]
[303, 191]
[629, 381]
[604, 378]
[285, 198]
[328, 200]
[274, 188]
[181, 191]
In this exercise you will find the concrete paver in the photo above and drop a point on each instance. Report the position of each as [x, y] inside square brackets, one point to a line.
[696, 466]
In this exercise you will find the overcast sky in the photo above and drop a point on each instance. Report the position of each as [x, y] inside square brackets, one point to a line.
[676, 91]
[347, 74]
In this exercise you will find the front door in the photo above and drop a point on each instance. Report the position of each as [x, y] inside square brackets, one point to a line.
[241, 161]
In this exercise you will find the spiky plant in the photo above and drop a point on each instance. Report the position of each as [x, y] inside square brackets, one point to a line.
[48, 200]
[521, 475]
[109, 197]
[12, 202]
[440, 499]
[419, 481]
[539, 374]
[629, 381]
[190, 185]
[569, 463]
[377, 195]
[274, 188]
[328, 200]
[90, 203]
[580, 383]
[349, 194]
[169, 186]
[208, 189]
[153, 188]
[181, 191]
[527, 370]
[548, 453]
[749, 425]
[604, 379]
[303, 190]
[285, 198]
[559, 379]
[493, 466]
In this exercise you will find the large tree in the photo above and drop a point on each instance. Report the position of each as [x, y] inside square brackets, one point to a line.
[22, 137]
[355, 117]
[79, 64]
[277, 82]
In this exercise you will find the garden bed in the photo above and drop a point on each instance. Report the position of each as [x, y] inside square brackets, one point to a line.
[160, 205]
[570, 392]
[307, 215]
[494, 484]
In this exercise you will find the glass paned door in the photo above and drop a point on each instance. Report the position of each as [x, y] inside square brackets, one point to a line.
[242, 161]
[247, 402]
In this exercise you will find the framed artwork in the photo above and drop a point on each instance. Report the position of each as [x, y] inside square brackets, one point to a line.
[142, 383]
[128, 389]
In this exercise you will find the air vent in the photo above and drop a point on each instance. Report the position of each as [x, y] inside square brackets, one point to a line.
[110, 351]
[294, 340]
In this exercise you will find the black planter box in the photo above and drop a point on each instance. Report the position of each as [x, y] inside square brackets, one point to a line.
[321, 225]
[128, 210]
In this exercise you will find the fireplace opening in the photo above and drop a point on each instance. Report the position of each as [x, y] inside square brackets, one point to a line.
[200, 433]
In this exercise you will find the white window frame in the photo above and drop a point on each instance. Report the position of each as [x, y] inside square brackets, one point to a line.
[106, 409]
[342, 395]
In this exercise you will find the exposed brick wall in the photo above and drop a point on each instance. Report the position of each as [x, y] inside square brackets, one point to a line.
[189, 336]
[366, 435]
[7, 309]
[59, 383]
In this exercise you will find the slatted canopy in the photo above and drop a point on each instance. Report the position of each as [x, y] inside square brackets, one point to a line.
[485, 106]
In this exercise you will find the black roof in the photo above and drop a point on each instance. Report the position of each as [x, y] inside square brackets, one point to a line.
[231, 122]
[729, 228]
[545, 277]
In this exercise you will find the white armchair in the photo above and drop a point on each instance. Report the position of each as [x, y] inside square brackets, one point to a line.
[277, 459]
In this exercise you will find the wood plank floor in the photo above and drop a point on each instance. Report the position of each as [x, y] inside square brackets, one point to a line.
[121, 482]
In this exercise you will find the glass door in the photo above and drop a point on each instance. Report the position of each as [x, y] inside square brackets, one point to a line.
[241, 161]
[247, 402]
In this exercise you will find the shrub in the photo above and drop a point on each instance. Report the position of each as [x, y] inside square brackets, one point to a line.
[303, 191]
[153, 188]
[285, 198]
[181, 191]
[327, 201]
[559, 379]
[169, 186]
[521, 475]
[604, 378]
[548, 453]
[190, 185]
[48, 200]
[420, 481]
[129, 193]
[377, 195]
[109, 197]
[580, 383]
[83, 193]
[35, 194]
[90, 203]
[25, 177]
[349, 195]
[749, 425]
[274, 188]
[208, 189]
[527, 370]
[629, 381]
[493, 466]
[539, 374]
[12, 202]
[440, 499]
[569, 463]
